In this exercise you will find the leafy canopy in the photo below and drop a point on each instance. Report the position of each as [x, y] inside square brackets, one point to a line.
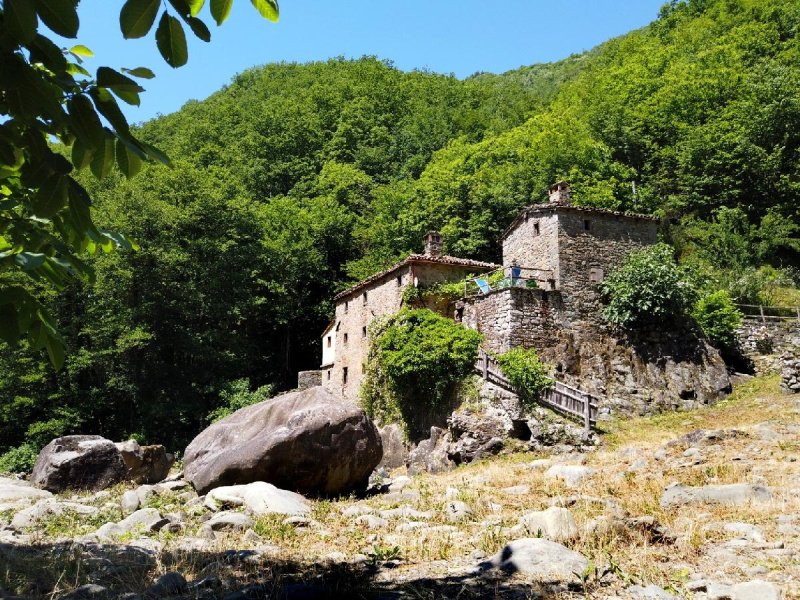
[529, 375]
[46, 221]
[719, 319]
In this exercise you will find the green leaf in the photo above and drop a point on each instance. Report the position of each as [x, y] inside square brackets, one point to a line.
[156, 154]
[79, 206]
[47, 53]
[29, 261]
[81, 155]
[59, 15]
[19, 18]
[171, 41]
[82, 50]
[103, 159]
[142, 72]
[199, 29]
[50, 197]
[125, 88]
[267, 8]
[137, 17]
[84, 122]
[109, 108]
[129, 163]
[55, 350]
[182, 6]
[220, 9]
[195, 6]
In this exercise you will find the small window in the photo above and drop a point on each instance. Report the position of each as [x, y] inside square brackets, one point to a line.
[459, 314]
[399, 280]
[536, 228]
[586, 225]
[344, 375]
[330, 342]
[595, 275]
[364, 331]
[344, 339]
[338, 326]
[363, 367]
[329, 374]
[345, 305]
[365, 297]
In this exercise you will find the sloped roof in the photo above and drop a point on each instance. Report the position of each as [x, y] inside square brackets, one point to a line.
[453, 261]
[555, 206]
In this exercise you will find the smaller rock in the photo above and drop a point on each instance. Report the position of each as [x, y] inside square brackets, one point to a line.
[745, 530]
[542, 559]
[651, 592]
[517, 490]
[169, 584]
[457, 511]
[371, 522]
[260, 498]
[130, 502]
[251, 537]
[555, 524]
[756, 590]
[572, 475]
[144, 520]
[229, 521]
[89, 590]
[736, 494]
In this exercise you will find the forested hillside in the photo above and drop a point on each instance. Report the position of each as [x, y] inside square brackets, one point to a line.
[296, 179]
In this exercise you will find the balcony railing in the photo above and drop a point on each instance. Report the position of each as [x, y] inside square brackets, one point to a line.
[508, 277]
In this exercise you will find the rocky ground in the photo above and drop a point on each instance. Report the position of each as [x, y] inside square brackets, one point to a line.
[701, 505]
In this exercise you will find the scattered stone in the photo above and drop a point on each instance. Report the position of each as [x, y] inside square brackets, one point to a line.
[756, 590]
[169, 584]
[539, 558]
[78, 462]
[735, 493]
[307, 441]
[572, 475]
[651, 592]
[540, 463]
[229, 521]
[260, 498]
[745, 530]
[45, 509]
[89, 590]
[371, 522]
[405, 512]
[130, 502]
[457, 511]
[717, 591]
[251, 537]
[144, 520]
[556, 524]
[398, 484]
[517, 490]
[357, 510]
[14, 491]
[145, 464]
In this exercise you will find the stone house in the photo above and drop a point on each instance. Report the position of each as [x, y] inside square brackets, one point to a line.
[345, 343]
[544, 296]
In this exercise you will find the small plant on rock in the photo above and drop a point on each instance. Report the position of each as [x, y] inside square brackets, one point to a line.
[719, 319]
[528, 374]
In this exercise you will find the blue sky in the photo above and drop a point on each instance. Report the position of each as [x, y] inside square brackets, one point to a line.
[440, 35]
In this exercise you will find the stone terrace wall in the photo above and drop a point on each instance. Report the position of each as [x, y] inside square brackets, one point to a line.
[514, 317]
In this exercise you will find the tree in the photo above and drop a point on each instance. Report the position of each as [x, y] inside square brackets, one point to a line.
[46, 95]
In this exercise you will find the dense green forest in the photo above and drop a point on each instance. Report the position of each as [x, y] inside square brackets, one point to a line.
[294, 180]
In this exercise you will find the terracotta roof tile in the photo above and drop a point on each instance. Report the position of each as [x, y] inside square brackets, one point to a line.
[417, 259]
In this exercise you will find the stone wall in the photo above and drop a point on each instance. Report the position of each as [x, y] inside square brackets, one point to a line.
[514, 317]
[587, 254]
[764, 342]
[356, 311]
[532, 249]
[790, 372]
[309, 379]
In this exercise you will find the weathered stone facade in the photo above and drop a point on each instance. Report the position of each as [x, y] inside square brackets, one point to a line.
[790, 372]
[308, 379]
[764, 341]
[513, 317]
[380, 295]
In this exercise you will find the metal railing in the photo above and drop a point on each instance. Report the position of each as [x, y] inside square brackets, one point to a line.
[508, 277]
[562, 398]
[769, 313]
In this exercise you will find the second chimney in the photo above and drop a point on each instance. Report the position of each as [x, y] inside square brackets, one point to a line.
[433, 243]
[559, 193]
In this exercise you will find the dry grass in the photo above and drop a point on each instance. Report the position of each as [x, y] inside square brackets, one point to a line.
[442, 550]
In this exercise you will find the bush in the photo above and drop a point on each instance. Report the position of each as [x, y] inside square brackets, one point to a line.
[235, 395]
[648, 289]
[526, 372]
[19, 460]
[719, 319]
[416, 359]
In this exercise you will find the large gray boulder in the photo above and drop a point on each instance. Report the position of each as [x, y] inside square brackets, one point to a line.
[308, 441]
[78, 462]
[732, 493]
[541, 559]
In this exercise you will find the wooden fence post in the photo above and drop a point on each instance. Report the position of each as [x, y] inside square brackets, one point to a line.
[587, 413]
[761, 310]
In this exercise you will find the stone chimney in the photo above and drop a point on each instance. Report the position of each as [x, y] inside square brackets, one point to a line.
[433, 243]
[559, 193]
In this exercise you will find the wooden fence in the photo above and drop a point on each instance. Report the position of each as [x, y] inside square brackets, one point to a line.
[562, 398]
[769, 313]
